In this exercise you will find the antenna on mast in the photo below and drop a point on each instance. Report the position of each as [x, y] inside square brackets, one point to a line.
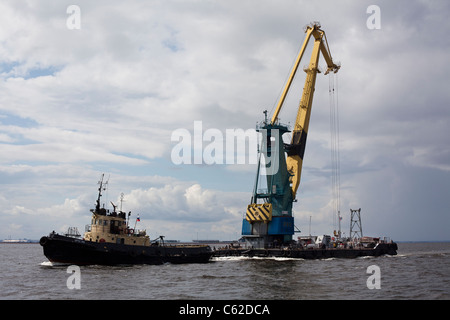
[121, 201]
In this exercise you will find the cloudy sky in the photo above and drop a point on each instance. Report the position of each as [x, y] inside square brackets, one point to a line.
[107, 96]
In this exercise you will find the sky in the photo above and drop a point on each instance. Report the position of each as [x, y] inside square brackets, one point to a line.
[103, 89]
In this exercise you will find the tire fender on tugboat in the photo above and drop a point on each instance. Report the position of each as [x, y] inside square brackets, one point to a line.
[43, 241]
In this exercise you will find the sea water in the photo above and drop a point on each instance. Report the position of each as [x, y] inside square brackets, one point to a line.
[419, 271]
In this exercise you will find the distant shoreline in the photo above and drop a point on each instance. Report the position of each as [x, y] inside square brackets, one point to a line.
[20, 241]
[423, 241]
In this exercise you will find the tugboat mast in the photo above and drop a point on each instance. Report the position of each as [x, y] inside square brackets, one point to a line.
[97, 207]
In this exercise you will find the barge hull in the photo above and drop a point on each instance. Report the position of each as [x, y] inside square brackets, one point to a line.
[315, 253]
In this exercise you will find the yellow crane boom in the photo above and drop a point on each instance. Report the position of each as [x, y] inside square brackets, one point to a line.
[296, 148]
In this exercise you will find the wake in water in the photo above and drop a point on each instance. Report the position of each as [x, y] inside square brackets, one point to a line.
[49, 264]
[242, 258]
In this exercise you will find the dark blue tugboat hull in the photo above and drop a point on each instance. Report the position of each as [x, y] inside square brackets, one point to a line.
[70, 250]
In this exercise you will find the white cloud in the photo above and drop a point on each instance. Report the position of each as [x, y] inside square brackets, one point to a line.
[181, 201]
[168, 208]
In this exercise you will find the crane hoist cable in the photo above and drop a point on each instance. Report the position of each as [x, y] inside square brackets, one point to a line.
[334, 148]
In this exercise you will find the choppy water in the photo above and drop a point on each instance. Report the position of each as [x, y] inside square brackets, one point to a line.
[419, 271]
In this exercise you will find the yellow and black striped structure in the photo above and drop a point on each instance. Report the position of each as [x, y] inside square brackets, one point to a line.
[259, 212]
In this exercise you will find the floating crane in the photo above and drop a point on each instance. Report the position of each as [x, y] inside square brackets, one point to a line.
[271, 222]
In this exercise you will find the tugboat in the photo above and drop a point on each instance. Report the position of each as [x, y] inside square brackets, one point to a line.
[109, 240]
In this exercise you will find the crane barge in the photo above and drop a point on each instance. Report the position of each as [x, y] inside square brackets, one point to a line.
[268, 227]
